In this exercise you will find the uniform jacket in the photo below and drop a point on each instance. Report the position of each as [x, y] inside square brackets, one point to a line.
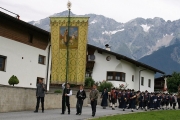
[40, 91]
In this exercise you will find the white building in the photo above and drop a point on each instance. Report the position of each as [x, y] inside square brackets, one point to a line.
[119, 69]
[25, 52]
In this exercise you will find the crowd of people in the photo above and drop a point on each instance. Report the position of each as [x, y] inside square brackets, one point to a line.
[124, 99]
[129, 99]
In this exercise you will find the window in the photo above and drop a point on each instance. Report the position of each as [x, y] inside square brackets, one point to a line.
[2, 63]
[116, 76]
[149, 83]
[88, 74]
[142, 80]
[110, 75]
[133, 78]
[41, 59]
[30, 38]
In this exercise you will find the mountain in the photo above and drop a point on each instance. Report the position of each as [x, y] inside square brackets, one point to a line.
[166, 59]
[135, 39]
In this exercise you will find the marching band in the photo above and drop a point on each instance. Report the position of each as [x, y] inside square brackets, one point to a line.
[129, 99]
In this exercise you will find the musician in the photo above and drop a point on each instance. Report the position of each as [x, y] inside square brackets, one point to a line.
[171, 100]
[132, 100]
[81, 95]
[141, 99]
[174, 101]
[116, 101]
[137, 99]
[109, 97]
[158, 100]
[167, 101]
[151, 101]
[163, 100]
[155, 100]
[40, 94]
[119, 98]
[123, 100]
[146, 100]
[67, 92]
[104, 96]
[113, 98]
[128, 98]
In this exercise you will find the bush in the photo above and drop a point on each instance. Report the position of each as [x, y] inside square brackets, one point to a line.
[57, 91]
[105, 84]
[73, 85]
[89, 82]
[13, 80]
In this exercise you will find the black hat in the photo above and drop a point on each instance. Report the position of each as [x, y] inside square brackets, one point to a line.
[146, 91]
[132, 90]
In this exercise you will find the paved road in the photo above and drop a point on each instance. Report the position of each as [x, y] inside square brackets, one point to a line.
[55, 114]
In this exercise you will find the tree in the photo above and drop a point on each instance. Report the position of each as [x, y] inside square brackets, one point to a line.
[89, 82]
[13, 80]
[105, 84]
[173, 82]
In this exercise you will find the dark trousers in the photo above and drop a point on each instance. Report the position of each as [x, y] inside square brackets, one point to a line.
[171, 104]
[93, 106]
[174, 105]
[79, 105]
[145, 103]
[178, 101]
[42, 103]
[65, 103]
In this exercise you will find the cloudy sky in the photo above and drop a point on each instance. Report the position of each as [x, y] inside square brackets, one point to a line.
[120, 10]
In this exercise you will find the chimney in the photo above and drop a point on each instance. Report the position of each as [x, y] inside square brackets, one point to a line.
[108, 47]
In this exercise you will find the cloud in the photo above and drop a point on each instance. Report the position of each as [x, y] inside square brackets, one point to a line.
[120, 10]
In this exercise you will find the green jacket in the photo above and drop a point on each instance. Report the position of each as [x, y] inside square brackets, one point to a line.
[94, 94]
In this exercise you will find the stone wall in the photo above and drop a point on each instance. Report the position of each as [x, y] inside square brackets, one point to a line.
[21, 99]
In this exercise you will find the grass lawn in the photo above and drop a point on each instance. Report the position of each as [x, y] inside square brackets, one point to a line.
[152, 115]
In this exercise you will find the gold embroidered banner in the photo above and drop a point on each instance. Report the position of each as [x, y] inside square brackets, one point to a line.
[77, 49]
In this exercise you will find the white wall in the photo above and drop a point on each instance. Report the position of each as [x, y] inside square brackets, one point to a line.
[101, 67]
[147, 74]
[26, 69]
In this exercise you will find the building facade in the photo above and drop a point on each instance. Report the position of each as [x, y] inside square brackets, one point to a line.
[25, 52]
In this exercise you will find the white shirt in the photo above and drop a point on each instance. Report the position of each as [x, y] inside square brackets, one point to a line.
[63, 87]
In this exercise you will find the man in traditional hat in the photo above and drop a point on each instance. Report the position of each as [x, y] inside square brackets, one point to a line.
[123, 100]
[146, 100]
[113, 98]
[141, 99]
[132, 100]
[171, 101]
[163, 100]
[151, 101]
[158, 100]
[167, 101]
[128, 98]
[119, 98]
